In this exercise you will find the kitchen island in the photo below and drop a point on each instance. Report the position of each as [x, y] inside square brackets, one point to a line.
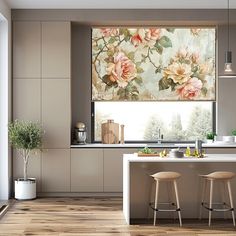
[137, 182]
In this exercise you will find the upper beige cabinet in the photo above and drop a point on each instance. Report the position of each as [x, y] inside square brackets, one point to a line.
[27, 99]
[56, 113]
[26, 50]
[56, 47]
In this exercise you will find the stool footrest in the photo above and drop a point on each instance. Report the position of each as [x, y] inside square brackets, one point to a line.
[163, 210]
[217, 209]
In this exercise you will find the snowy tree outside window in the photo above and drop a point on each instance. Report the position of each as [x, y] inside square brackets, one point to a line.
[178, 121]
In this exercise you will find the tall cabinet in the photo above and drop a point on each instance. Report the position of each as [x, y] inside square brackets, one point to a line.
[41, 92]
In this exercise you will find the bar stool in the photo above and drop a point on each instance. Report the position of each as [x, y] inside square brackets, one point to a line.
[225, 177]
[166, 177]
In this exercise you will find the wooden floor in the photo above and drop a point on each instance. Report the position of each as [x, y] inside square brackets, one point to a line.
[89, 216]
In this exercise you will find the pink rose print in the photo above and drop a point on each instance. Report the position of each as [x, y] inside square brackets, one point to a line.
[122, 70]
[136, 40]
[152, 34]
[108, 32]
[190, 89]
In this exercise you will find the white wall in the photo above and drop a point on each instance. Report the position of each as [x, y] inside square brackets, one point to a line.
[5, 99]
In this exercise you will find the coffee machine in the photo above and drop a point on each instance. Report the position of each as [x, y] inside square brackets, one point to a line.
[80, 133]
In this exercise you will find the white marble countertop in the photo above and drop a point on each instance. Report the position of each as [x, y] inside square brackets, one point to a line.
[152, 145]
[207, 158]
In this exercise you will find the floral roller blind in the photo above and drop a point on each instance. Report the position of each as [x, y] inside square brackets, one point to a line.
[153, 64]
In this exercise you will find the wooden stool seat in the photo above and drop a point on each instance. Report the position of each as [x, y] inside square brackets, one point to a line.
[166, 175]
[220, 176]
[161, 177]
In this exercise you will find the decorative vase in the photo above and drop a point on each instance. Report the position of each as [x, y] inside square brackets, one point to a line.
[25, 189]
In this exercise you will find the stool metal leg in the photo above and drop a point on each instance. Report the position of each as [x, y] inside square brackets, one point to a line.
[223, 191]
[156, 199]
[203, 197]
[231, 201]
[151, 197]
[210, 202]
[177, 202]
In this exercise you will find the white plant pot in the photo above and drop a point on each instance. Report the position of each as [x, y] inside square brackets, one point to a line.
[25, 190]
[209, 141]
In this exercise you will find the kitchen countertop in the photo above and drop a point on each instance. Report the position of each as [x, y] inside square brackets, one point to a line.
[152, 145]
[207, 158]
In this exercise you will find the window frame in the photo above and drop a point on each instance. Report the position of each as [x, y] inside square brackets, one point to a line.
[150, 141]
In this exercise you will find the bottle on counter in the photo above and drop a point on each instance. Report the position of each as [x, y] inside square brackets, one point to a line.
[198, 146]
[188, 152]
[122, 134]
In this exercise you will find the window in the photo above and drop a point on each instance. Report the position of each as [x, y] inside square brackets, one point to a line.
[178, 121]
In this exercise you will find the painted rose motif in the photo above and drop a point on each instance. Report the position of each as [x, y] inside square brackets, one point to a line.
[153, 64]
[179, 73]
[195, 57]
[147, 36]
[121, 70]
[182, 54]
[195, 31]
[136, 39]
[190, 90]
[152, 34]
[108, 32]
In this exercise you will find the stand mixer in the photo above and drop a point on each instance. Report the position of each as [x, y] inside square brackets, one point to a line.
[80, 133]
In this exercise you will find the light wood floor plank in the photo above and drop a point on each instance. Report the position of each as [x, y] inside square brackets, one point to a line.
[94, 217]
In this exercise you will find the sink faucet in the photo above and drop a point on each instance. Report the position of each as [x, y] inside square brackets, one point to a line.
[159, 136]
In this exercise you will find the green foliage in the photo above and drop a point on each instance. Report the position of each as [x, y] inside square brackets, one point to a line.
[107, 81]
[147, 150]
[210, 135]
[138, 80]
[171, 30]
[234, 132]
[165, 42]
[165, 83]
[25, 135]
[158, 48]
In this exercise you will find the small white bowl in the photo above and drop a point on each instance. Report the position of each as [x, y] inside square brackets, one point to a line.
[229, 139]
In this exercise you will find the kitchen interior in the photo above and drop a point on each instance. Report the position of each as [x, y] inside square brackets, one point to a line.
[137, 115]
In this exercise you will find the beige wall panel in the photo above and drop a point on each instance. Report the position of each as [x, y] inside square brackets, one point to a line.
[56, 113]
[26, 99]
[34, 167]
[113, 169]
[86, 170]
[56, 50]
[56, 170]
[26, 49]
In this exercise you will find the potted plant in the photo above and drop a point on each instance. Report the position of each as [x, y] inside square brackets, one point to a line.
[210, 137]
[25, 137]
[234, 134]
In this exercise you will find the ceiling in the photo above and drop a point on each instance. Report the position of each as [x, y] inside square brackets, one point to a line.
[119, 4]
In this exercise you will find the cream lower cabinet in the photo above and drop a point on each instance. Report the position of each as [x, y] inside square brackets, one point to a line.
[86, 170]
[56, 170]
[113, 169]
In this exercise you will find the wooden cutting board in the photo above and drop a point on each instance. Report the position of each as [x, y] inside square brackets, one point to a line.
[148, 155]
[110, 132]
